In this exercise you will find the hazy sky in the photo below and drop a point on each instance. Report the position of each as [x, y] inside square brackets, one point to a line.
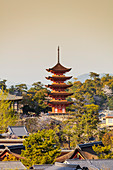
[31, 30]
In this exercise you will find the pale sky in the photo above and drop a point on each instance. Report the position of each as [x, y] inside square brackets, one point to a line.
[31, 30]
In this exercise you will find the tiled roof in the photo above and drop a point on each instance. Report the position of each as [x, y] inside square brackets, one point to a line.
[87, 145]
[13, 147]
[11, 165]
[44, 166]
[10, 142]
[6, 150]
[18, 130]
[11, 97]
[109, 114]
[62, 166]
[94, 164]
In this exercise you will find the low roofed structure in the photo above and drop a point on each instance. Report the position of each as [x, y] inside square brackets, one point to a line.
[6, 153]
[82, 151]
[18, 131]
[13, 99]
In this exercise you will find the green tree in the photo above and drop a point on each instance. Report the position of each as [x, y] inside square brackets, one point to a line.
[93, 75]
[3, 84]
[107, 139]
[41, 148]
[90, 120]
[7, 116]
[12, 89]
[110, 103]
[21, 87]
[103, 152]
[36, 86]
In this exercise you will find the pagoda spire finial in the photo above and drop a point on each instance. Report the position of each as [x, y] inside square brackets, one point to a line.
[58, 55]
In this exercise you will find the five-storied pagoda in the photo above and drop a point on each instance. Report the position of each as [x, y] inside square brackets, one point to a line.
[58, 88]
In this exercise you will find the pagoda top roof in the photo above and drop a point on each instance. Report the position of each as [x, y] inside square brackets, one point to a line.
[58, 67]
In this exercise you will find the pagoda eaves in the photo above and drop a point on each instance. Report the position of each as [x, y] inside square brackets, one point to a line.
[60, 85]
[53, 94]
[60, 78]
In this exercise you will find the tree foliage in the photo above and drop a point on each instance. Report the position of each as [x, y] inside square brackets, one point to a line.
[7, 116]
[95, 90]
[105, 152]
[41, 148]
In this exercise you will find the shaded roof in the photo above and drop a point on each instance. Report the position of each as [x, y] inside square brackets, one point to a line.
[18, 130]
[11, 165]
[94, 164]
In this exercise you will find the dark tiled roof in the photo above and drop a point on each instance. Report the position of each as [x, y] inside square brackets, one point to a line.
[11, 165]
[13, 147]
[87, 145]
[18, 130]
[2, 147]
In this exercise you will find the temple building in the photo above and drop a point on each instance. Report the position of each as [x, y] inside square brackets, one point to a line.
[58, 88]
[13, 99]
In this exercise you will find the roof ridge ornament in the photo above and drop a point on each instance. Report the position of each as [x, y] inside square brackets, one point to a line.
[58, 55]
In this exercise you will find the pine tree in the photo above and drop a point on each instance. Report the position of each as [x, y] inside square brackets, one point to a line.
[41, 148]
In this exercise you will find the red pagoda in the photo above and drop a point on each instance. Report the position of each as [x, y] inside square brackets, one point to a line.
[58, 88]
